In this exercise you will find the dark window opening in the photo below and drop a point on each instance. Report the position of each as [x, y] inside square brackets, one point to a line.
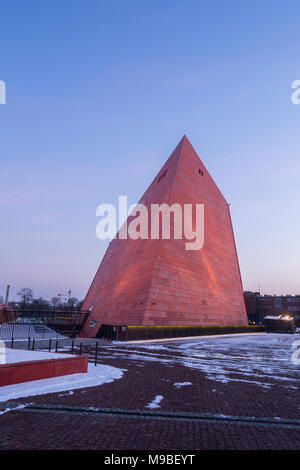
[162, 176]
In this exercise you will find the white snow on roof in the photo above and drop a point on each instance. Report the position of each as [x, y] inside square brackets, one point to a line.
[272, 317]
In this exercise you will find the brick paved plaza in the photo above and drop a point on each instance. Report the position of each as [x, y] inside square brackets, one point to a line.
[211, 393]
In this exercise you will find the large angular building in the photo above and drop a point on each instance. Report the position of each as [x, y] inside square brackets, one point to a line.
[159, 281]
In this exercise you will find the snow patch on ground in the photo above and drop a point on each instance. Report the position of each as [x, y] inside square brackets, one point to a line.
[65, 394]
[19, 407]
[182, 384]
[155, 402]
[260, 359]
[96, 375]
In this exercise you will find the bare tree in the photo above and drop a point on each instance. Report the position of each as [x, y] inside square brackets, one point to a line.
[55, 302]
[40, 304]
[73, 302]
[26, 296]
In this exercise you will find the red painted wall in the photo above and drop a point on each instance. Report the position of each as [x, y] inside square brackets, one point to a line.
[158, 282]
[7, 314]
[2, 315]
[35, 370]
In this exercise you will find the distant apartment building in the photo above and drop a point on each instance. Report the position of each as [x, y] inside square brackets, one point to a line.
[258, 306]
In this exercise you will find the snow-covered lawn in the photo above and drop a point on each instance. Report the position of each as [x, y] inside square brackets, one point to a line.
[96, 375]
[262, 359]
[10, 356]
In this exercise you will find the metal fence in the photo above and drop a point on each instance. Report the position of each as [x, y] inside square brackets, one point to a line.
[53, 346]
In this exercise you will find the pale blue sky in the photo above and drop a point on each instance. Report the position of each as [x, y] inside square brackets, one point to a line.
[98, 95]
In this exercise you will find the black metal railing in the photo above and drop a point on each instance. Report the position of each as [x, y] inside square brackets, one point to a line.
[53, 345]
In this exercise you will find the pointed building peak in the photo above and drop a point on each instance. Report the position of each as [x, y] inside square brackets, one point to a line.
[184, 139]
[186, 142]
[184, 145]
[184, 154]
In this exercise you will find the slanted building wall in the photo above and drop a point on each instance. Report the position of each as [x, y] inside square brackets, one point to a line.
[158, 281]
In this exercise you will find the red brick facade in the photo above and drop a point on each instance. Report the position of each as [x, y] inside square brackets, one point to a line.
[258, 306]
[159, 282]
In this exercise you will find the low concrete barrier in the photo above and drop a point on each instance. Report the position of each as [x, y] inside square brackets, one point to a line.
[19, 372]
